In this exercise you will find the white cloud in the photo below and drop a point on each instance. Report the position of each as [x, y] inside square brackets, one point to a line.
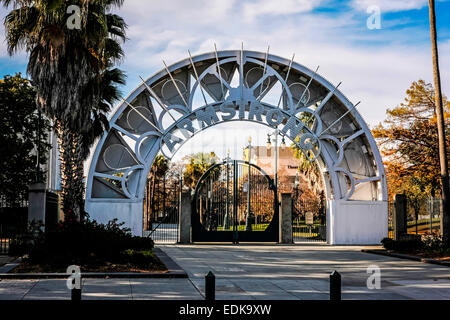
[390, 5]
[19, 57]
[3, 52]
[159, 11]
[280, 7]
[377, 73]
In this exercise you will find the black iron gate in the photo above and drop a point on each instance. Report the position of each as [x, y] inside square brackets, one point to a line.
[13, 221]
[235, 201]
[162, 213]
[309, 219]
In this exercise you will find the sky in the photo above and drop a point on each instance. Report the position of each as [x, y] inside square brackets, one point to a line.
[376, 66]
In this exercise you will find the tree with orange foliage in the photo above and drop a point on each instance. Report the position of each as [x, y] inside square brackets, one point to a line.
[408, 140]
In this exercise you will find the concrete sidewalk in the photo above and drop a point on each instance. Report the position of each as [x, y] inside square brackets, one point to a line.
[100, 289]
[4, 259]
[302, 272]
[258, 272]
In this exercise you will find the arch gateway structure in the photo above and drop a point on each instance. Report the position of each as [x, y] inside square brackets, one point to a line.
[198, 92]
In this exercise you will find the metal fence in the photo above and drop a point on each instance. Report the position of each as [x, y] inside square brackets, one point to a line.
[391, 208]
[14, 218]
[423, 216]
[4, 240]
[161, 210]
[13, 222]
[308, 223]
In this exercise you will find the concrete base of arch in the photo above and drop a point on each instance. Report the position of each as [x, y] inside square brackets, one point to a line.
[348, 222]
[128, 212]
[356, 222]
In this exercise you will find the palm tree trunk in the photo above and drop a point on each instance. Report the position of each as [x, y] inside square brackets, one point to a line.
[152, 198]
[78, 182]
[445, 214]
[71, 171]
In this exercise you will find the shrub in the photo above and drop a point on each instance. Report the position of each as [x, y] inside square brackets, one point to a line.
[24, 242]
[387, 243]
[74, 242]
[433, 242]
[404, 244]
[435, 245]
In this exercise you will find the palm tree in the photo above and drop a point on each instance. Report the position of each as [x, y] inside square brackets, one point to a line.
[73, 73]
[310, 171]
[159, 169]
[445, 193]
[197, 164]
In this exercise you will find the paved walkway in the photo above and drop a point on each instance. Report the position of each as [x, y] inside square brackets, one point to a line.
[100, 289]
[302, 272]
[4, 259]
[258, 272]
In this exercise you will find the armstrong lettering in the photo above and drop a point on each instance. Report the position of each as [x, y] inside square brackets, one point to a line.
[211, 115]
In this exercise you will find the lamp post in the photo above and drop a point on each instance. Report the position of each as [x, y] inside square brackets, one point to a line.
[227, 204]
[249, 218]
[269, 145]
[180, 189]
[38, 147]
[296, 184]
[295, 212]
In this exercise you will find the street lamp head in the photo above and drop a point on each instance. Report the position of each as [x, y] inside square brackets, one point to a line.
[249, 139]
[283, 144]
[269, 144]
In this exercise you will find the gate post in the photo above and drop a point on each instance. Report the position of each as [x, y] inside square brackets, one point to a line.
[184, 224]
[400, 224]
[36, 203]
[285, 226]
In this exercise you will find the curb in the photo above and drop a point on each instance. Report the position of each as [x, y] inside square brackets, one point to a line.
[172, 266]
[406, 256]
[10, 266]
[91, 275]
[174, 271]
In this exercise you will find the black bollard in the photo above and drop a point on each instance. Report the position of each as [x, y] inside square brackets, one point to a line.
[210, 287]
[76, 294]
[335, 286]
[235, 237]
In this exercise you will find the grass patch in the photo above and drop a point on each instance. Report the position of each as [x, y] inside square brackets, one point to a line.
[241, 227]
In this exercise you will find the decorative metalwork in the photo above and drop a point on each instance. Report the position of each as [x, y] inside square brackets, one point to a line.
[201, 91]
[308, 219]
[228, 206]
[161, 209]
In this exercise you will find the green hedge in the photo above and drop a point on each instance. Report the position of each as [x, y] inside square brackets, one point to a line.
[406, 244]
[73, 242]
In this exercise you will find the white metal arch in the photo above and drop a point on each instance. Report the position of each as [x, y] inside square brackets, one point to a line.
[198, 92]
